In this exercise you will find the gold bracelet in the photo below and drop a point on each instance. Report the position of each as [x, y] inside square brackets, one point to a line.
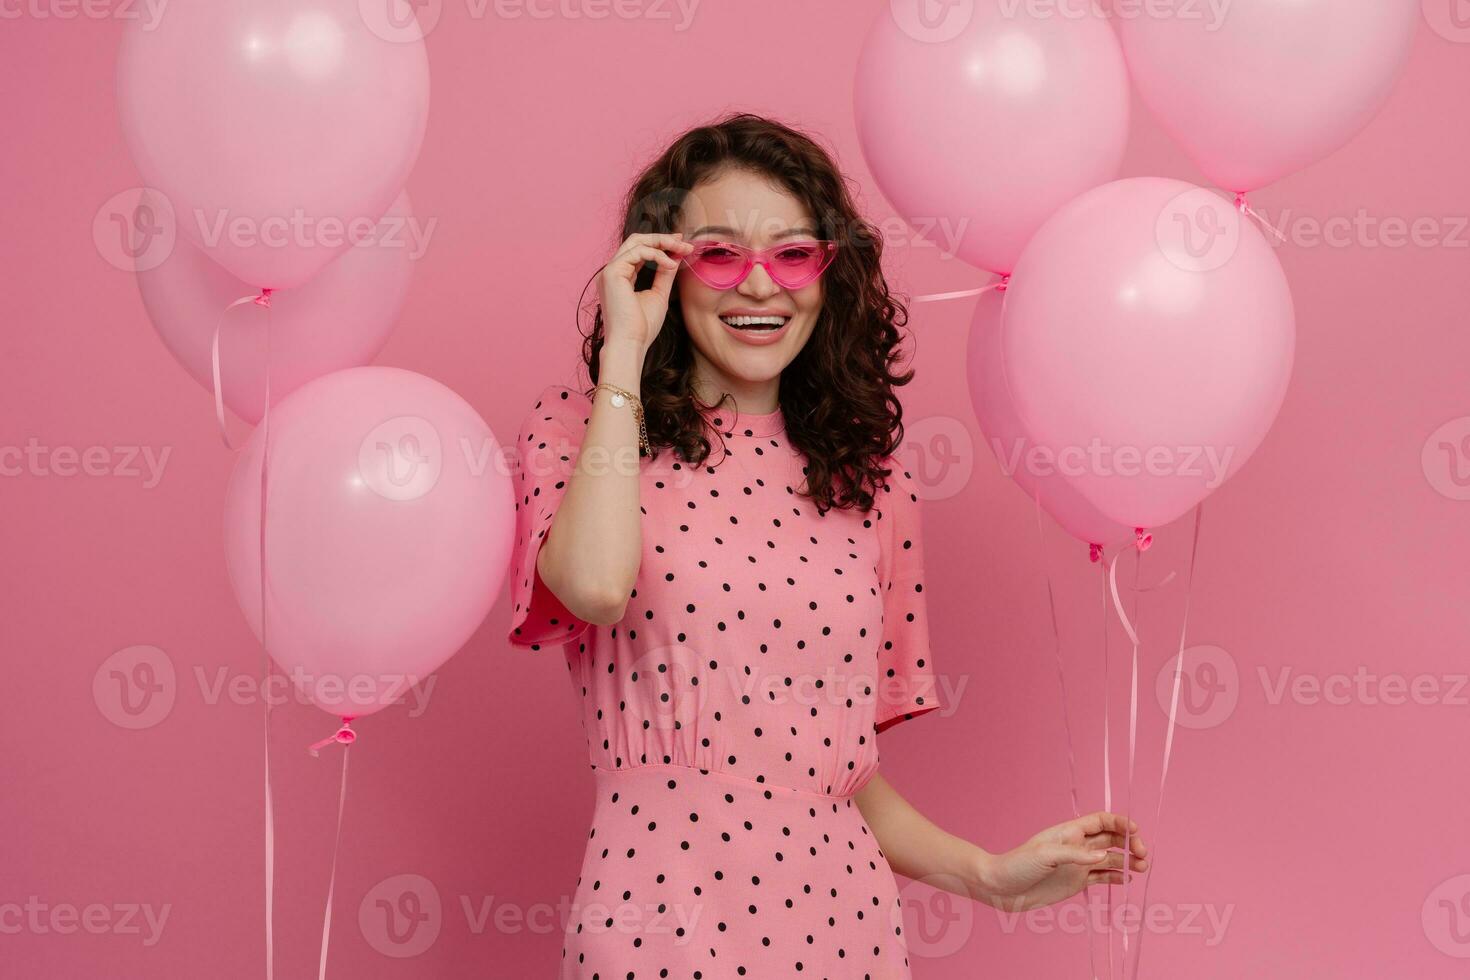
[621, 397]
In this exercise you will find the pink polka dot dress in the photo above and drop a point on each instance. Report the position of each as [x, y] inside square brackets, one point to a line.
[732, 713]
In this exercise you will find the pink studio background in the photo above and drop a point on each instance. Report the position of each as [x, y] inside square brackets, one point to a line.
[1327, 832]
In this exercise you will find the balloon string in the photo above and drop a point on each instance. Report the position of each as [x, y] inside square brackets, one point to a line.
[262, 298]
[1169, 736]
[345, 736]
[1056, 634]
[999, 286]
[1244, 208]
[1107, 760]
[265, 435]
[1128, 627]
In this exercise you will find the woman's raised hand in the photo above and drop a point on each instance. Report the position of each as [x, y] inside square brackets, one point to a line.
[637, 316]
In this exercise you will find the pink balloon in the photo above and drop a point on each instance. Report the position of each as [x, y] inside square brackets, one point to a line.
[273, 127]
[341, 318]
[979, 125]
[388, 531]
[1264, 88]
[1148, 336]
[1023, 462]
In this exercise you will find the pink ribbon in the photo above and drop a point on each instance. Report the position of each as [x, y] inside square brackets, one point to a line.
[262, 299]
[1169, 730]
[1244, 208]
[999, 286]
[344, 737]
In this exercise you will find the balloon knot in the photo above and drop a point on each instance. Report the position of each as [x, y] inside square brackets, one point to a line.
[1094, 552]
[1005, 281]
[1142, 538]
[264, 299]
[342, 736]
[1240, 203]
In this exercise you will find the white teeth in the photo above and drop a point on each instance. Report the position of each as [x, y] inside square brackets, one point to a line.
[755, 321]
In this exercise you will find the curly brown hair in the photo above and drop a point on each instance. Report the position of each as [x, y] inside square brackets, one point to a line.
[837, 396]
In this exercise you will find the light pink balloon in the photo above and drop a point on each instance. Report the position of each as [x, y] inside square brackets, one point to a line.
[1148, 336]
[340, 318]
[272, 126]
[1018, 457]
[389, 526]
[979, 125]
[1265, 87]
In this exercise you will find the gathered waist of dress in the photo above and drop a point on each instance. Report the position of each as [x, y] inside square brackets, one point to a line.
[659, 771]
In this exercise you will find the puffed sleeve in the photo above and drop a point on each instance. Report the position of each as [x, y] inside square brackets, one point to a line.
[545, 457]
[906, 682]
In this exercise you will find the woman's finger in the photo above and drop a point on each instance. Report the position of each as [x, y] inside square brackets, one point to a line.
[626, 264]
[1057, 854]
[1135, 843]
[674, 242]
[1103, 821]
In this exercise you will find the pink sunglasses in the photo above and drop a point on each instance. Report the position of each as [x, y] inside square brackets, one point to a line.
[725, 265]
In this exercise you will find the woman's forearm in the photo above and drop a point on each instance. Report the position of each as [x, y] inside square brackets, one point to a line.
[917, 848]
[590, 557]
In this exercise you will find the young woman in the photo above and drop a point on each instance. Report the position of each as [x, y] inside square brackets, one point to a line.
[719, 538]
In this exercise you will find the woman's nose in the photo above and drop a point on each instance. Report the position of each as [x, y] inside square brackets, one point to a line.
[759, 284]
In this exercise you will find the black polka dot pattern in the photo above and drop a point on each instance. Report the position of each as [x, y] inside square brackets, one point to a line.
[732, 713]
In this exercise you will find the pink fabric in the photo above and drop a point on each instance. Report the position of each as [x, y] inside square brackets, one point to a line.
[731, 714]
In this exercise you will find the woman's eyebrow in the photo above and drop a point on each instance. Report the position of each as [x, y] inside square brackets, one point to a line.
[725, 230]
